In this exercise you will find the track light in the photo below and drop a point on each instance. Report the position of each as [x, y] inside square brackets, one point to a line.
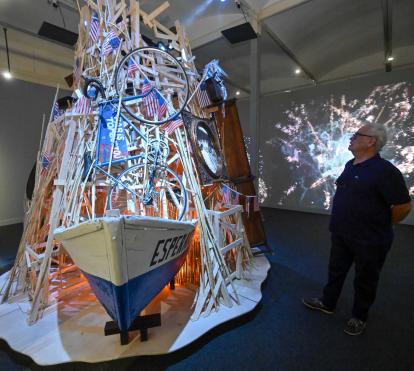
[390, 58]
[297, 71]
[7, 74]
[237, 92]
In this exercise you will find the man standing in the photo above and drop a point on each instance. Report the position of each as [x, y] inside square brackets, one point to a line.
[371, 196]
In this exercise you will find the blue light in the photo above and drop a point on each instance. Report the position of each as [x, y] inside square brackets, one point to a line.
[161, 46]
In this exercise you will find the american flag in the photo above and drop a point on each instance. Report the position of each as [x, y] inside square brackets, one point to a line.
[45, 163]
[203, 99]
[150, 103]
[171, 126]
[77, 71]
[110, 43]
[162, 105]
[235, 197]
[94, 31]
[56, 111]
[83, 106]
[226, 195]
[132, 67]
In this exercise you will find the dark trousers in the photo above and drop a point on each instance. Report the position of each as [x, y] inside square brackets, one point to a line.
[368, 260]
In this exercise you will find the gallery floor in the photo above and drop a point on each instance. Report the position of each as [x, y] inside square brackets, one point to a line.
[280, 334]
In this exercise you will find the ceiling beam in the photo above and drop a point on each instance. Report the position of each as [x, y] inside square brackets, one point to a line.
[288, 52]
[279, 7]
[72, 5]
[387, 21]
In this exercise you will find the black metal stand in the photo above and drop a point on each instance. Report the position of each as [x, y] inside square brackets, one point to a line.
[141, 323]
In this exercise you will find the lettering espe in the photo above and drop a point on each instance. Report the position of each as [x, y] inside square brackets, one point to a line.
[174, 245]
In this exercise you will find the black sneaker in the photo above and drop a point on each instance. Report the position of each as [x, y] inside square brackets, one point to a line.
[355, 327]
[316, 303]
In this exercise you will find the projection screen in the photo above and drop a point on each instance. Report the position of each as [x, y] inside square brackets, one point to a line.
[305, 138]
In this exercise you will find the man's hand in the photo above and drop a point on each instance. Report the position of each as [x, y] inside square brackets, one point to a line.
[399, 212]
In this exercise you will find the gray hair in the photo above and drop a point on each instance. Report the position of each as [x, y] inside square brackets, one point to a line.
[379, 132]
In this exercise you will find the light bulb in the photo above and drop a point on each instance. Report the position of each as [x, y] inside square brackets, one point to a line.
[7, 75]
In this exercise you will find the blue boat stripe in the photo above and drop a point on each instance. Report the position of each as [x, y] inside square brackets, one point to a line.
[123, 303]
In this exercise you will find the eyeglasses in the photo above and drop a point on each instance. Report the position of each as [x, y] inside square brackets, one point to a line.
[361, 135]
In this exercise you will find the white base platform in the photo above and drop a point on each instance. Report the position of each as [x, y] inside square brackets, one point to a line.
[74, 331]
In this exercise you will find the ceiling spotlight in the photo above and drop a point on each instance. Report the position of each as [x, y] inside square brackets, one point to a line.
[7, 75]
[297, 71]
[237, 92]
[390, 58]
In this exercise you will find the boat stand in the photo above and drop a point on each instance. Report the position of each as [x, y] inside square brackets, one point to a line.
[141, 323]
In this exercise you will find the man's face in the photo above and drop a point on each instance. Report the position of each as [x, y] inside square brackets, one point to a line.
[362, 141]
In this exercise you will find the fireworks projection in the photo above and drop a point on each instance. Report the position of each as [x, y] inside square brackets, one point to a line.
[306, 145]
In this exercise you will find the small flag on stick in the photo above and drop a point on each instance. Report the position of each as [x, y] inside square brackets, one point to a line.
[56, 111]
[110, 43]
[150, 103]
[161, 105]
[172, 125]
[132, 67]
[226, 195]
[202, 97]
[83, 106]
[94, 31]
[45, 163]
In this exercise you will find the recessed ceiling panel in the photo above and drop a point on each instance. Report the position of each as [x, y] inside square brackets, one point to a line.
[328, 34]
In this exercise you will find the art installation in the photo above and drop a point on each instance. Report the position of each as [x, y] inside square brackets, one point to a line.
[129, 191]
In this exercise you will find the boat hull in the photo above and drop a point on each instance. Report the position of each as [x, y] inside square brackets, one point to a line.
[127, 260]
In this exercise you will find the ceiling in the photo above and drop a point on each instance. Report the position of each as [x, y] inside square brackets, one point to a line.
[327, 39]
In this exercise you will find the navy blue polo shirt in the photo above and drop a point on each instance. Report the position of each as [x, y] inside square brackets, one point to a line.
[361, 207]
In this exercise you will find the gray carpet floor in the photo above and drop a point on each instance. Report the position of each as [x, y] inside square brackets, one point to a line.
[281, 334]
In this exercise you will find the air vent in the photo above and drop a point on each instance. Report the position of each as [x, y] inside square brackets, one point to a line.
[58, 34]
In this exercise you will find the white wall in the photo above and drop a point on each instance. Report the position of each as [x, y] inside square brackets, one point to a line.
[22, 105]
